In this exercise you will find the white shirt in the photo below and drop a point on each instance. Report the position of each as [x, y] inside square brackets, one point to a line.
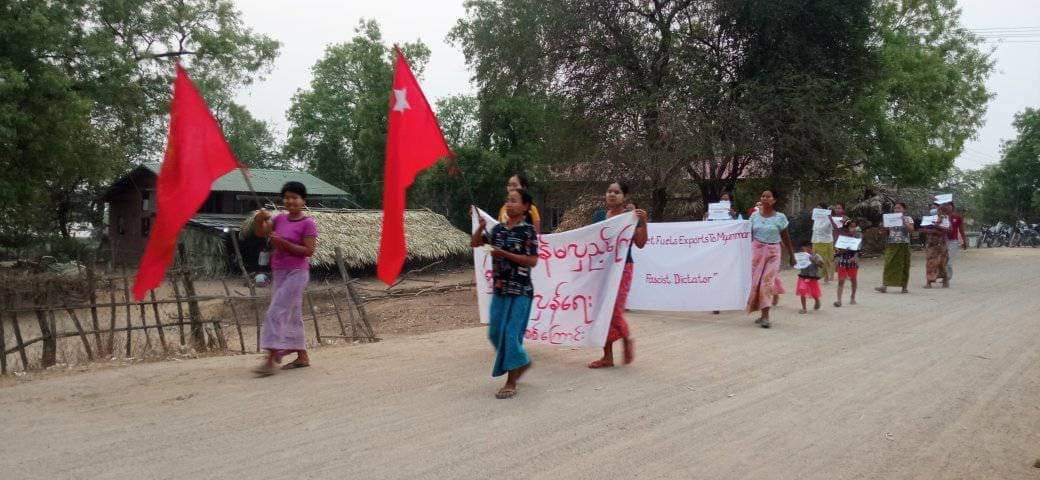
[822, 230]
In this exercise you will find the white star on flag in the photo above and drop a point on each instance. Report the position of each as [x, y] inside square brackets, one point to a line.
[401, 100]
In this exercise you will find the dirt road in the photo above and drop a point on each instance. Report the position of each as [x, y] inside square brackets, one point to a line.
[938, 384]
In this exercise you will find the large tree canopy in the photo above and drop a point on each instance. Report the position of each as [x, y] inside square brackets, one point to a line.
[708, 91]
[338, 125]
[84, 88]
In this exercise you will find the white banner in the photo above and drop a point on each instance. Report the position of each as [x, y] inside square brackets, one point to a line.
[693, 266]
[575, 281]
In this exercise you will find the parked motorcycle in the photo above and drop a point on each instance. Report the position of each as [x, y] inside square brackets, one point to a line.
[1025, 235]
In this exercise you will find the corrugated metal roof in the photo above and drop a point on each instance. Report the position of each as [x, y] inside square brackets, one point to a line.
[217, 221]
[267, 181]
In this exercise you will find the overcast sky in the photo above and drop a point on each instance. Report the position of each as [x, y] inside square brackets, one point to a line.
[306, 27]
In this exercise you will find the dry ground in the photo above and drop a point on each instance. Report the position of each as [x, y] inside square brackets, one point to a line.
[941, 384]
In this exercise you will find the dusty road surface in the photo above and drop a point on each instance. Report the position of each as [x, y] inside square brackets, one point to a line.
[940, 384]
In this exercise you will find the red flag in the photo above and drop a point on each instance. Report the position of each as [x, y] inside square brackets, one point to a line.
[196, 155]
[414, 142]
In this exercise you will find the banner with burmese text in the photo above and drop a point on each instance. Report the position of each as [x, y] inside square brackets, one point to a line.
[693, 266]
[575, 281]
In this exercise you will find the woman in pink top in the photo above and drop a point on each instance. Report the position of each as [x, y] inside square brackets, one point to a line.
[293, 236]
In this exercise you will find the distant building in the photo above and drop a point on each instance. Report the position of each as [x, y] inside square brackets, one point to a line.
[131, 203]
[208, 235]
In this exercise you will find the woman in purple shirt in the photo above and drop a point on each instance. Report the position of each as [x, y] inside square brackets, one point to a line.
[293, 236]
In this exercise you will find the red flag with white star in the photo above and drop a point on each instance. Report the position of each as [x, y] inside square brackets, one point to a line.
[414, 142]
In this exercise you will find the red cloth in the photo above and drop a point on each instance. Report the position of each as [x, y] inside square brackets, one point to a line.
[618, 325]
[846, 272]
[414, 142]
[955, 227]
[196, 155]
[808, 287]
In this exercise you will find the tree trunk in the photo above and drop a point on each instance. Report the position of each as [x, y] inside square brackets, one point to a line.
[658, 203]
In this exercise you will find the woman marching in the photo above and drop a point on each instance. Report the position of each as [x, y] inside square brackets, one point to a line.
[935, 248]
[897, 253]
[514, 253]
[768, 229]
[617, 202]
[519, 182]
[293, 236]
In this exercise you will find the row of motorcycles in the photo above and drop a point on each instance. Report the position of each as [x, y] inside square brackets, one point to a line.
[1020, 234]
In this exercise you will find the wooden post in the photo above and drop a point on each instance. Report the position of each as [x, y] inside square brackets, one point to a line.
[112, 319]
[158, 322]
[335, 306]
[242, 264]
[180, 309]
[234, 314]
[249, 283]
[198, 337]
[79, 329]
[314, 315]
[3, 349]
[49, 342]
[92, 286]
[129, 316]
[144, 324]
[366, 327]
[20, 344]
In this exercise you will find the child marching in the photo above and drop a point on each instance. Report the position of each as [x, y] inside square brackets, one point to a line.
[514, 248]
[847, 263]
[809, 277]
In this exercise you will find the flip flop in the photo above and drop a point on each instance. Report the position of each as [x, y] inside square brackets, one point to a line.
[294, 365]
[505, 393]
[264, 371]
[600, 364]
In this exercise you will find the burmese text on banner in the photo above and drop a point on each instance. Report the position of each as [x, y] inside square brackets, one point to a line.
[575, 282]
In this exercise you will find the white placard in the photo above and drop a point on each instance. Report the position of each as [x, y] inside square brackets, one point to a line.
[821, 212]
[929, 220]
[719, 211]
[847, 243]
[944, 198]
[893, 220]
[693, 266]
[575, 281]
[838, 221]
[802, 260]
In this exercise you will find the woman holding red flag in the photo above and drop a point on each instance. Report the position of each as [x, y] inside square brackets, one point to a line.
[293, 236]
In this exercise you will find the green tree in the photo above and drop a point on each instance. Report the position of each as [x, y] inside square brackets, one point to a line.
[1009, 190]
[928, 96]
[660, 89]
[84, 88]
[337, 127]
[251, 139]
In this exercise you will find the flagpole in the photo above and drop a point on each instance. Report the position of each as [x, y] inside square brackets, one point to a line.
[249, 185]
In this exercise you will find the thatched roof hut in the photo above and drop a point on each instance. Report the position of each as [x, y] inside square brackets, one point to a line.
[430, 236]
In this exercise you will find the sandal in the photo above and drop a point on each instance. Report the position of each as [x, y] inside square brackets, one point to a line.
[295, 364]
[837, 304]
[601, 364]
[505, 393]
[881, 289]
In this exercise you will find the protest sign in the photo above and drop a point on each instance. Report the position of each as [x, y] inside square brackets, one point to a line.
[847, 243]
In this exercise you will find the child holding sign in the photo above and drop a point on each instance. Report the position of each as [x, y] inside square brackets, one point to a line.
[847, 259]
[808, 266]
[515, 252]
